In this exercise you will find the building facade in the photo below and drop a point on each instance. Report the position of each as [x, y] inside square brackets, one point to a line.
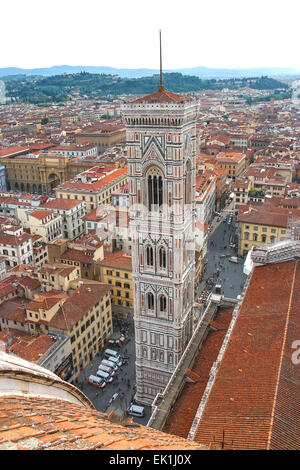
[161, 142]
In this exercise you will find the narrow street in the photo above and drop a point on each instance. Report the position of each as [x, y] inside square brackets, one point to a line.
[218, 269]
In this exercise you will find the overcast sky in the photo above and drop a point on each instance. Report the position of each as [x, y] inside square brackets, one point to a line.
[214, 33]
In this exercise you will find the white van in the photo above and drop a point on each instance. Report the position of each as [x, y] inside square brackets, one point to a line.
[96, 381]
[111, 353]
[105, 376]
[110, 371]
[135, 410]
[234, 259]
[110, 364]
[118, 362]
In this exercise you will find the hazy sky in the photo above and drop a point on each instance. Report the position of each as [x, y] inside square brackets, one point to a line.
[214, 33]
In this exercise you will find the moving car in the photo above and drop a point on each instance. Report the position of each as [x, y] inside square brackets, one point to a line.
[234, 259]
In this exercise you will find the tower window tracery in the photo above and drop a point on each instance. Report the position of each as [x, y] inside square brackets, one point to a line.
[162, 257]
[163, 303]
[149, 255]
[150, 301]
[155, 189]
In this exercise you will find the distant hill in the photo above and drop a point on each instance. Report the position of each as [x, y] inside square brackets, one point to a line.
[201, 71]
[61, 88]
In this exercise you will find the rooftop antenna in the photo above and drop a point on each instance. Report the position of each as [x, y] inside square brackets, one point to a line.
[160, 75]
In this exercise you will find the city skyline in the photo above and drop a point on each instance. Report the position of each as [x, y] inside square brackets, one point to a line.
[214, 35]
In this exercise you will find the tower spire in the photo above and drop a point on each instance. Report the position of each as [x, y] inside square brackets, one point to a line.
[160, 54]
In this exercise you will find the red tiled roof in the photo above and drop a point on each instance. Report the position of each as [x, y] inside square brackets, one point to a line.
[57, 424]
[255, 395]
[118, 259]
[61, 203]
[76, 255]
[13, 150]
[102, 181]
[13, 240]
[162, 96]
[182, 415]
[263, 216]
[26, 346]
[40, 214]
[76, 305]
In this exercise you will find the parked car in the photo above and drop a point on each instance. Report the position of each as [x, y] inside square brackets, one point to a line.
[96, 381]
[135, 410]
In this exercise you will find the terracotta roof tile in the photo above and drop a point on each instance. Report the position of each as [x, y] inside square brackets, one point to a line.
[162, 96]
[182, 415]
[255, 396]
[60, 425]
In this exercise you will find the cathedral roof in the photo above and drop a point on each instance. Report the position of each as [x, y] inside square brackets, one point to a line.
[162, 96]
[38, 410]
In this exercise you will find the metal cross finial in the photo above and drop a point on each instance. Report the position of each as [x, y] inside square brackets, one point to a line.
[160, 81]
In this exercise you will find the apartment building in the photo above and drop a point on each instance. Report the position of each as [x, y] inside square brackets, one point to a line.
[71, 212]
[16, 245]
[82, 253]
[262, 224]
[57, 276]
[46, 224]
[83, 150]
[50, 351]
[84, 315]
[40, 251]
[234, 163]
[116, 271]
[205, 195]
[94, 187]
[104, 135]
[240, 191]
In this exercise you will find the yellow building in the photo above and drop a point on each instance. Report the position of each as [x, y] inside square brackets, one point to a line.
[107, 134]
[40, 173]
[234, 163]
[259, 226]
[116, 270]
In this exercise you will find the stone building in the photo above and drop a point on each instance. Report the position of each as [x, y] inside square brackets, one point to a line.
[161, 141]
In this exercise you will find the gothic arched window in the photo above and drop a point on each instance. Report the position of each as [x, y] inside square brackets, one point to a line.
[149, 255]
[162, 257]
[163, 303]
[155, 189]
[150, 301]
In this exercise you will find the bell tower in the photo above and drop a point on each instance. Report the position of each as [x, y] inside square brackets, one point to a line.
[161, 137]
